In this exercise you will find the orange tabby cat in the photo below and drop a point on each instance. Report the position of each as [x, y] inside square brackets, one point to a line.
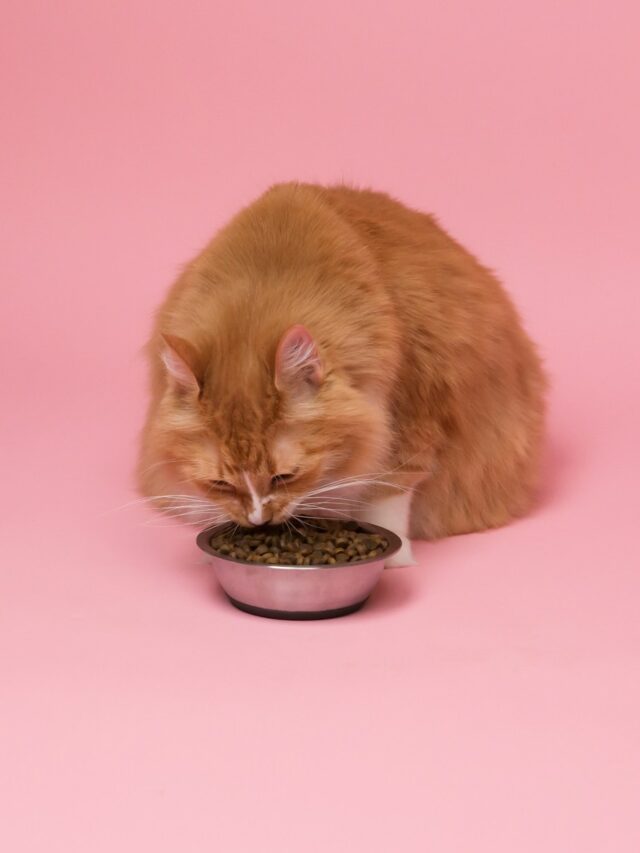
[333, 352]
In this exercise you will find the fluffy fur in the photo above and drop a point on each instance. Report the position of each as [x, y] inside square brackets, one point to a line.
[333, 351]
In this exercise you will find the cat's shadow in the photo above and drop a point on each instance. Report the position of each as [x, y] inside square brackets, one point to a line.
[559, 460]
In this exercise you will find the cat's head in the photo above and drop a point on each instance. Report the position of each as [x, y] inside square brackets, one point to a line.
[257, 438]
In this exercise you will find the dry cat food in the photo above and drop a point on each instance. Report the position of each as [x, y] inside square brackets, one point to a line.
[323, 544]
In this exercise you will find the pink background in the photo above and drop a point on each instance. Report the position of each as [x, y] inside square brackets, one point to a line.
[487, 700]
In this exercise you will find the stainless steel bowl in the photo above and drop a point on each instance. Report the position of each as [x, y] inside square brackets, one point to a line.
[298, 592]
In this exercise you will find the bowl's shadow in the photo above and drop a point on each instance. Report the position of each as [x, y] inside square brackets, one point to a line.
[395, 589]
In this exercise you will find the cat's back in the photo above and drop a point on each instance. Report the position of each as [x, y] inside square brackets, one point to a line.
[414, 254]
[446, 301]
[431, 278]
[389, 227]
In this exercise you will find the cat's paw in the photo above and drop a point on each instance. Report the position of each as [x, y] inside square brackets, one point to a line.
[403, 558]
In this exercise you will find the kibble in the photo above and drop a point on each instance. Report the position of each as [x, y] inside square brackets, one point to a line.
[323, 543]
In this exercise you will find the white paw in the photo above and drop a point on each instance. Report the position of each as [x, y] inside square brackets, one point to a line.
[403, 558]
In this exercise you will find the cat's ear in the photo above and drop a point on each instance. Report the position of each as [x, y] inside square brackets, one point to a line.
[298, 363]
[181, 361]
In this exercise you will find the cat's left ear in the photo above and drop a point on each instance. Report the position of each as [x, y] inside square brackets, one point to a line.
[298, 363]
[180, 360]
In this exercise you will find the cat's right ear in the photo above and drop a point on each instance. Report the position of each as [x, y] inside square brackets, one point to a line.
[180, 360]
[298, 363]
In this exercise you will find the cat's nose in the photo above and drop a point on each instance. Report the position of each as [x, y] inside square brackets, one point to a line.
[260, 515]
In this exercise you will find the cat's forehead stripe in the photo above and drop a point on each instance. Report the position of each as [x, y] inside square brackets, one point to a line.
[256, 515]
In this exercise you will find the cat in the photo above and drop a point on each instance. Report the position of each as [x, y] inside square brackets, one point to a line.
[334, 352]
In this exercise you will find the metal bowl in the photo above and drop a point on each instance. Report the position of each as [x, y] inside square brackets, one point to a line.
[298, 592]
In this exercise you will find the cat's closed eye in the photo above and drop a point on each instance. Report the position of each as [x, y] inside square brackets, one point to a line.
[281, 479]
[222, 486]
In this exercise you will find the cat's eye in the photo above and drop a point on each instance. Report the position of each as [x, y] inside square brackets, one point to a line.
[222, 486]
[281, 479]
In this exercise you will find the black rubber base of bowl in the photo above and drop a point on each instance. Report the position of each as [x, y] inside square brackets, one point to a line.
[296, 614]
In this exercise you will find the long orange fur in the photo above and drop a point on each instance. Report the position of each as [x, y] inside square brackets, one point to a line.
[419, 401]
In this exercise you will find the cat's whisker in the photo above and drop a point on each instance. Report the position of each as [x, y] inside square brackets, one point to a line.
[188, 513]
[187, 497]
[201, 525]
[301, 519]
[309, 520]
[148, 501]
[190, 518]
[157, 465]
[190, 508]
[315, 517]
[373, 477]
[333, 508]
[341, 501]
[337, 497]
[177, 520]
[362, 482]
[375, 480]
[134, 502]
[352, 482]
[204, 506]
[328, 495]
[289, 526]
[155, 498]
[322, 508]
[203, 510]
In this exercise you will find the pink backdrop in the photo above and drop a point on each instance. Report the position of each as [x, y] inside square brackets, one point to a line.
[487, 700]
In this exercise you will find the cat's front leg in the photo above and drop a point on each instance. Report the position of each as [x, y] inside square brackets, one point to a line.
[392, 512]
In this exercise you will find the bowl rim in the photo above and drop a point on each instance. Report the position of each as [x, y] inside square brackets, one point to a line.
[203, 541]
